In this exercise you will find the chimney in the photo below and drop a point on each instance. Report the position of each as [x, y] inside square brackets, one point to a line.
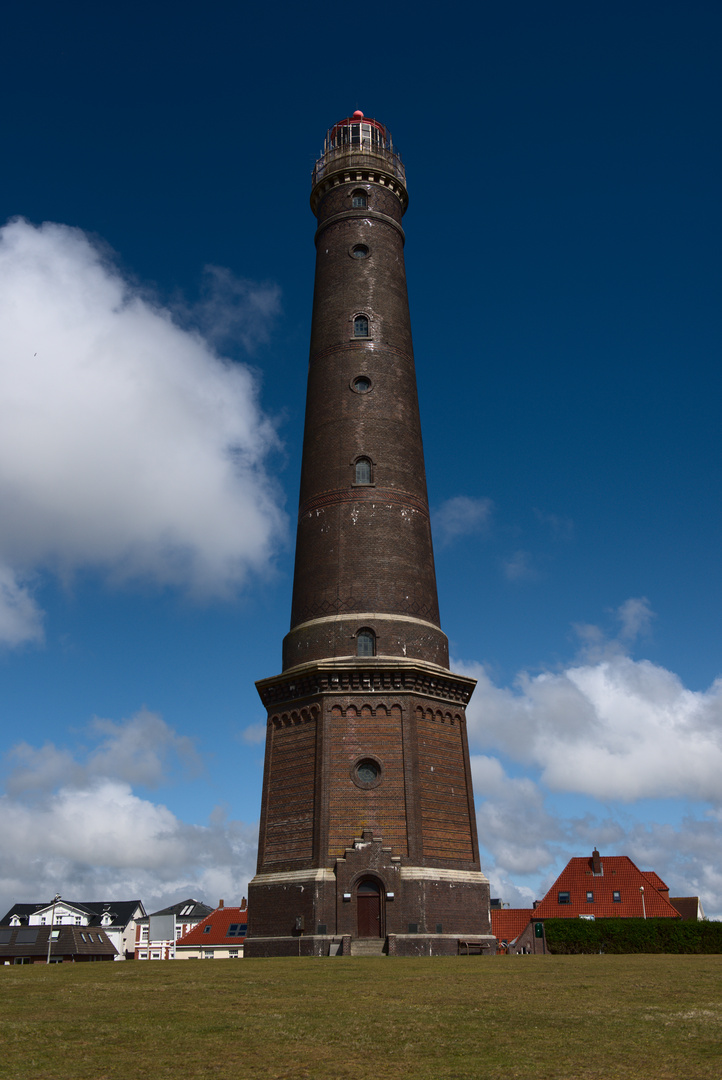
[220, 903]
[596, 862]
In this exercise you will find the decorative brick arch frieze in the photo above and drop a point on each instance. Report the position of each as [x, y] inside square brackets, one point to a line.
[379, 709]
[437, 716]
[297, 716]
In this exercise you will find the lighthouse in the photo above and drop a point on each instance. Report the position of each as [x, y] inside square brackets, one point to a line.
[368, 837]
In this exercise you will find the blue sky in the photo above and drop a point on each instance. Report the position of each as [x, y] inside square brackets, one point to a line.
[156, 272]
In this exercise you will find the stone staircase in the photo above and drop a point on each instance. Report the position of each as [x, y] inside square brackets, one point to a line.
[368, 947]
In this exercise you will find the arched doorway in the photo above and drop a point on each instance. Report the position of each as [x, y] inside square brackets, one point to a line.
[368, 908]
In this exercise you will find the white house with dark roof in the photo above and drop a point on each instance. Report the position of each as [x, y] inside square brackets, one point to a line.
[116, 918]
[157, 934]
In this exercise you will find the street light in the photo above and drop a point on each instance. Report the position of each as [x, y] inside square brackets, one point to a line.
[52, 920]
[644, 912]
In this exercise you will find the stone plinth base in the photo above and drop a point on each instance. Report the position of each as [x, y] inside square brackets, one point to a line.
[300, 945]
[440, 945]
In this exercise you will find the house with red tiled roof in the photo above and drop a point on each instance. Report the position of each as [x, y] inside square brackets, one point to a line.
[596, 888]
[508, 924]
[220, 936]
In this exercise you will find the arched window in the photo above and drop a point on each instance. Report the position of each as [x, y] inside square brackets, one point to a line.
[366, 643]
[363, 471]
[360, 326]
[359, 200]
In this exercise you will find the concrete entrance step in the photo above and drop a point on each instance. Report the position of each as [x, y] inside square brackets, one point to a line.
[368, 947]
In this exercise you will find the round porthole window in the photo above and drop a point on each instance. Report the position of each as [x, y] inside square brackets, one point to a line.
[366, 773]
[361, 384]
[359, 251]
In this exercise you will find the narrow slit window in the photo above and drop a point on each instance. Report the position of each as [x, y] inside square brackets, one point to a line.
[360, 326]
[363, 471]
[365, 643]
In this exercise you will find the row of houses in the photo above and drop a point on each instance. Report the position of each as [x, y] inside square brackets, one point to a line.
[63, 931]
[593, 888]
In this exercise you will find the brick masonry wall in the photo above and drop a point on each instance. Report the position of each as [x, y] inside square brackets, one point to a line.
[358, 732]
[443, 795]
[362, 548]
[290, 788]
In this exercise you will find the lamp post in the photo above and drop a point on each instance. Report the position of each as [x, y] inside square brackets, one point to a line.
[52, 920]
[644, 912]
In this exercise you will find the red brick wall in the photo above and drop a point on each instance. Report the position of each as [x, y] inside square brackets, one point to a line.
[290, 783]
[443, 788]
[359, 731]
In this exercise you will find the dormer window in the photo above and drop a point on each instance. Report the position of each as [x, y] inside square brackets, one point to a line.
[366, 643]
[363, 474]
[360, 326]
[359, 200]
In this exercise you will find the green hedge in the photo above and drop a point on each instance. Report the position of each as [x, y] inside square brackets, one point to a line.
[632, 936]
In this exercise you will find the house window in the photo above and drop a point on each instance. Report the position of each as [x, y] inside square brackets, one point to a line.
[590, 897]
[208, 954]
[360, 326]
[362, 472]
[144, 933]
[142, 955]
[78, 921]
[359, 200]
[233, 954]
[564, 898]
[366, 643]
[178, 932]
[207, 929]
[155, 956]
[617, 896]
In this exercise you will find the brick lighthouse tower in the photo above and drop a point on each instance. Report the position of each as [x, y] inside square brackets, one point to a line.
[368, 832]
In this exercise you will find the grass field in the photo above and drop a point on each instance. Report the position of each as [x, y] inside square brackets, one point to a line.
[563, 1017]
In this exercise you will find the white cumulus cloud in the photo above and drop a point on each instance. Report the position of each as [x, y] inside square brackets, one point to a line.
[616, 729]
[619, 733]
[126, 444]
[70, 822]
[462, 515]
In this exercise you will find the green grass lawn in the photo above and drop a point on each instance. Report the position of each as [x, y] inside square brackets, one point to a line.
[565, 1017]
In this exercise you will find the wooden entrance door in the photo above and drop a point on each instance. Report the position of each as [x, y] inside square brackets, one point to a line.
[368, 900]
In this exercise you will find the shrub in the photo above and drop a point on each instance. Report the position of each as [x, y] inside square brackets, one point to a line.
[632, 936]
